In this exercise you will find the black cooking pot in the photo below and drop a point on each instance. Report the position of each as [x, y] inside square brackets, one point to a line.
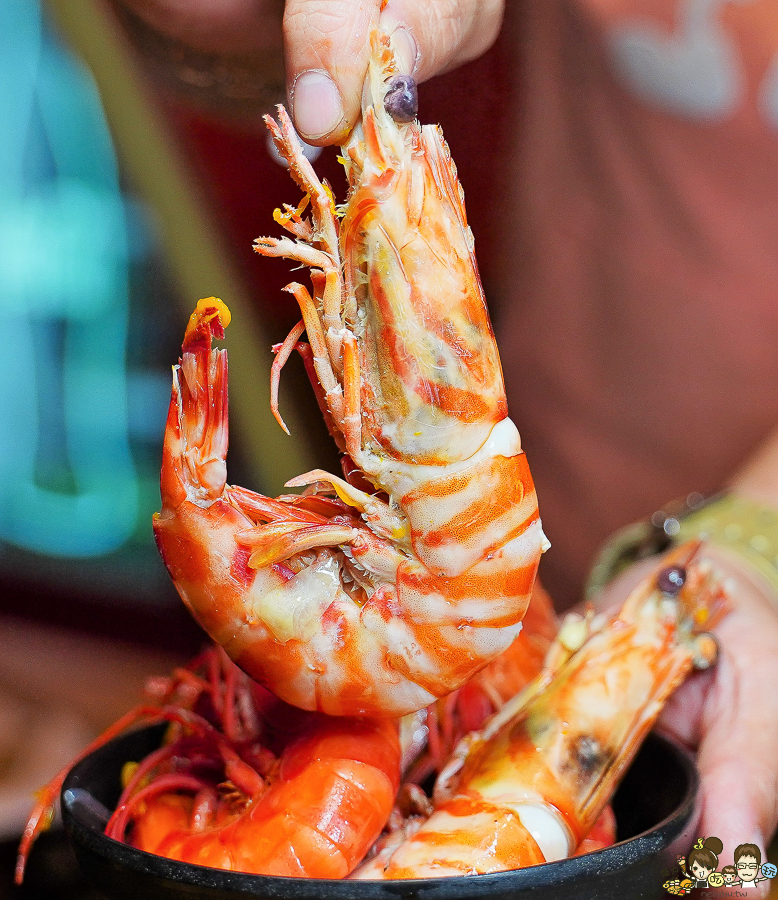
[655, 810]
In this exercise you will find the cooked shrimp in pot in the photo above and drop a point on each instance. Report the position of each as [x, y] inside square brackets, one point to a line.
[245, 782]
[297, 793]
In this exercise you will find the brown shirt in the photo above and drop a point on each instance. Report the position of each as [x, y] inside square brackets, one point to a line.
[636, 304]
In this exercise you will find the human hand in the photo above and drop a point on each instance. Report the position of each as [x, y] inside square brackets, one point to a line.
[327, 48]
[326, 45]
[729, 714]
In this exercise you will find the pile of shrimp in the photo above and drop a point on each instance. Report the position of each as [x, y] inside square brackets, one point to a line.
[242, 780]
[245, 782]
[368, 629]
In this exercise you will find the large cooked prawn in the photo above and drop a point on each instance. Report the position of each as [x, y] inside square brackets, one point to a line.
[380, 592]
[297, 794]
[531, 784]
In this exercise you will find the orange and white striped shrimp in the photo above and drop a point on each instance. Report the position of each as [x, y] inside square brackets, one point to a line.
[444, 723]
[321, 809]
[310, 809]
[378, 593]
[533, 782]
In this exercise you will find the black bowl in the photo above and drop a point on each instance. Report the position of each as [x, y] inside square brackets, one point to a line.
[655, 809]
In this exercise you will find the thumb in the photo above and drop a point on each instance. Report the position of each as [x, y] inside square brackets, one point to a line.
[327, 48]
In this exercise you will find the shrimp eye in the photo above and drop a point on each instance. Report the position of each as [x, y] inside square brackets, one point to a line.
[401, 100]
[671, 579]
[588, 753]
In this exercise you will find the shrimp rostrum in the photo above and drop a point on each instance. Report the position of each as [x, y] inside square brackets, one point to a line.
[381, 591]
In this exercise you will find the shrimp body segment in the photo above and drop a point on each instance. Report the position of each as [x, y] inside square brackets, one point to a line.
[432, 388]
[377, 593]
[448, 720]
[314, 814]
[532, 784]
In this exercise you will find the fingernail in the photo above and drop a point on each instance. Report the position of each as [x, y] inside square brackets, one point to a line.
[406, 51]
[316, 104]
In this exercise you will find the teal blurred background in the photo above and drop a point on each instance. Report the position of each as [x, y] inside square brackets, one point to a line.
[107, 243]
[88, 332]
